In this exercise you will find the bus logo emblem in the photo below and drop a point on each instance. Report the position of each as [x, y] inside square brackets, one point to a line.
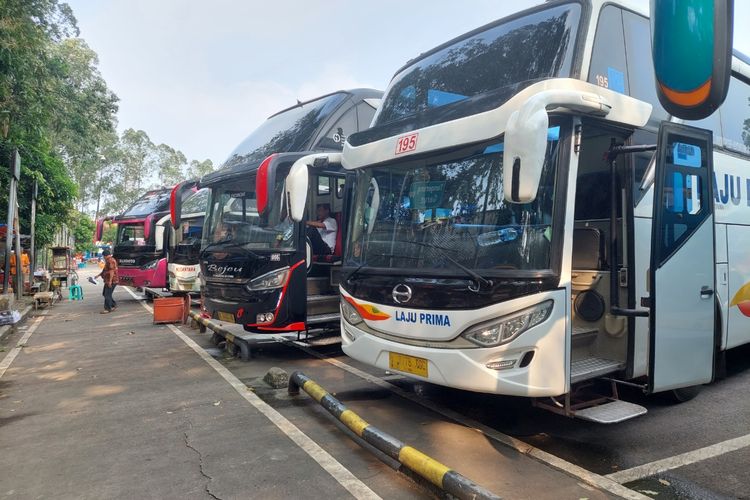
[401, 293]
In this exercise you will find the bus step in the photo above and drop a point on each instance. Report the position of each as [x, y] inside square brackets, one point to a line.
[588, 368]
[322, 304]
[317, 285]
[322, 319]
[612, 412]
[582, 335]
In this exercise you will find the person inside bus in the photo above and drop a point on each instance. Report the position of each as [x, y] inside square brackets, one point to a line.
[322, 232]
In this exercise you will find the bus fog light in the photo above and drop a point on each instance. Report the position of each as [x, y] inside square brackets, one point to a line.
[503, 330]
[264, 318]
[501, 364]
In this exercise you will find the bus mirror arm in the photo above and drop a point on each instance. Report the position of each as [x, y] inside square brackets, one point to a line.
[297, 181]
[526, 138]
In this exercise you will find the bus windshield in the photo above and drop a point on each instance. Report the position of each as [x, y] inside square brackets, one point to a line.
[486, 68]
[149, 203]
[130, 235]
[290, 130]
[233, 220]
[435, 217]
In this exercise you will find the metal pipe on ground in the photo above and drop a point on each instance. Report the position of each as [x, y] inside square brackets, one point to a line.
[426, 467]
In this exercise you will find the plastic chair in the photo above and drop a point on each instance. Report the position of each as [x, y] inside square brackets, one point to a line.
[75, 292]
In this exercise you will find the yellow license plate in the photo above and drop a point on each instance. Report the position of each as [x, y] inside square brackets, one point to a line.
[408, 364]
[229, 318]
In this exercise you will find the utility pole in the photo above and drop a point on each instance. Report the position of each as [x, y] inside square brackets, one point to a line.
[18, 285]
[15, 175]
[32, 249]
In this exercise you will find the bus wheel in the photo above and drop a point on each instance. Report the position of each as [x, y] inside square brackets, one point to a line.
[684, 394]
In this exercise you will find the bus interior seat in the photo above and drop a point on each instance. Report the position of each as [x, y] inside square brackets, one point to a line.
[335, 257]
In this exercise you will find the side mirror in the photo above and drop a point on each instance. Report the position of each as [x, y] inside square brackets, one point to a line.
[525, 144]
[99, 230]
[691, 44]
[178, 194]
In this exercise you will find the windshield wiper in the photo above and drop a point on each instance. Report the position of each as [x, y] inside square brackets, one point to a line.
[354, 273]
[444, 252]
[231, 244]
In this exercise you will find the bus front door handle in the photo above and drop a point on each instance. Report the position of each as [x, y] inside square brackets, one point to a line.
[706, 292]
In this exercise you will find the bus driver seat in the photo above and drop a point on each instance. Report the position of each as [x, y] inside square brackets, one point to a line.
[335, 257]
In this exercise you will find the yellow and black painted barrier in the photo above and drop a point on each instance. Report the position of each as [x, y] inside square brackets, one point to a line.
[243, 349]
[428, 468]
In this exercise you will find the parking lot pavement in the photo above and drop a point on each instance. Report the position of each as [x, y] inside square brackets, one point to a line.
[111, 406]
[478, 455]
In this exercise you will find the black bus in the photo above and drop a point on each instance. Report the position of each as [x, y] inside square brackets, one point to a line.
[257, 266]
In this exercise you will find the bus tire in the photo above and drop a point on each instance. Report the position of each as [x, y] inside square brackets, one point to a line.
[684, 394]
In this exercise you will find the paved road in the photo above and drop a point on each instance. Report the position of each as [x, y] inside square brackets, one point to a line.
[720, 413]
[111, 406]
[115, 407]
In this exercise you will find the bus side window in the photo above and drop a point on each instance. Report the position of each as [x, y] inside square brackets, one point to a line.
[608, 66]
[734, 115]
[640, 70]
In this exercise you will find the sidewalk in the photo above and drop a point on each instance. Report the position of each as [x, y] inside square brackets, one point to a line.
[110, 406]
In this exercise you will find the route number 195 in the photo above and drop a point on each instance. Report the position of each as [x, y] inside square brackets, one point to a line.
[407, 143]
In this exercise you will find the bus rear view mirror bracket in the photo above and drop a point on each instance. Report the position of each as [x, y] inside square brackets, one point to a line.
[526, 138]
[297, 181]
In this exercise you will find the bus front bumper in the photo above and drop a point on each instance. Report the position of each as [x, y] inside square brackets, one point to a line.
[467, 368]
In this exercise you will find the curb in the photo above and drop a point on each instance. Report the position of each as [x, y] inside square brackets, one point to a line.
[6, 330]
[428, 468]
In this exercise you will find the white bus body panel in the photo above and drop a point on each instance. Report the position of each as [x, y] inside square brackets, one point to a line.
[684, 320]
[738, 318]
[732, 213]
[464, 368]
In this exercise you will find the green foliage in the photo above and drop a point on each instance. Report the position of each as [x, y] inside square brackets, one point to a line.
[198, 169]
[109, 235]
[53, 108]
[58, 111]
[83, 231]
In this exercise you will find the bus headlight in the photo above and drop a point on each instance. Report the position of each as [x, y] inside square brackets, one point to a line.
[269, 281]
[349, 313]
[501, 331]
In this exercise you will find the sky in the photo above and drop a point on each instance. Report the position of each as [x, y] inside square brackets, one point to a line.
[201, 75]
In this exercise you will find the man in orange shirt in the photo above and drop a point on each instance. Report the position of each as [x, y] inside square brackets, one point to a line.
[109, 274]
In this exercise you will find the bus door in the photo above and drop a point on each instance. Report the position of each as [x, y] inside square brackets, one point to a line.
[682, 271]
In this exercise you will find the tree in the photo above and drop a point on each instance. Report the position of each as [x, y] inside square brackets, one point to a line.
[171, 164]
[198, 169]
[83, 231]
[53, 105]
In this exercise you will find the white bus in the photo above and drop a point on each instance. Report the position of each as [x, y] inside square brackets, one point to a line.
[513, 234]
